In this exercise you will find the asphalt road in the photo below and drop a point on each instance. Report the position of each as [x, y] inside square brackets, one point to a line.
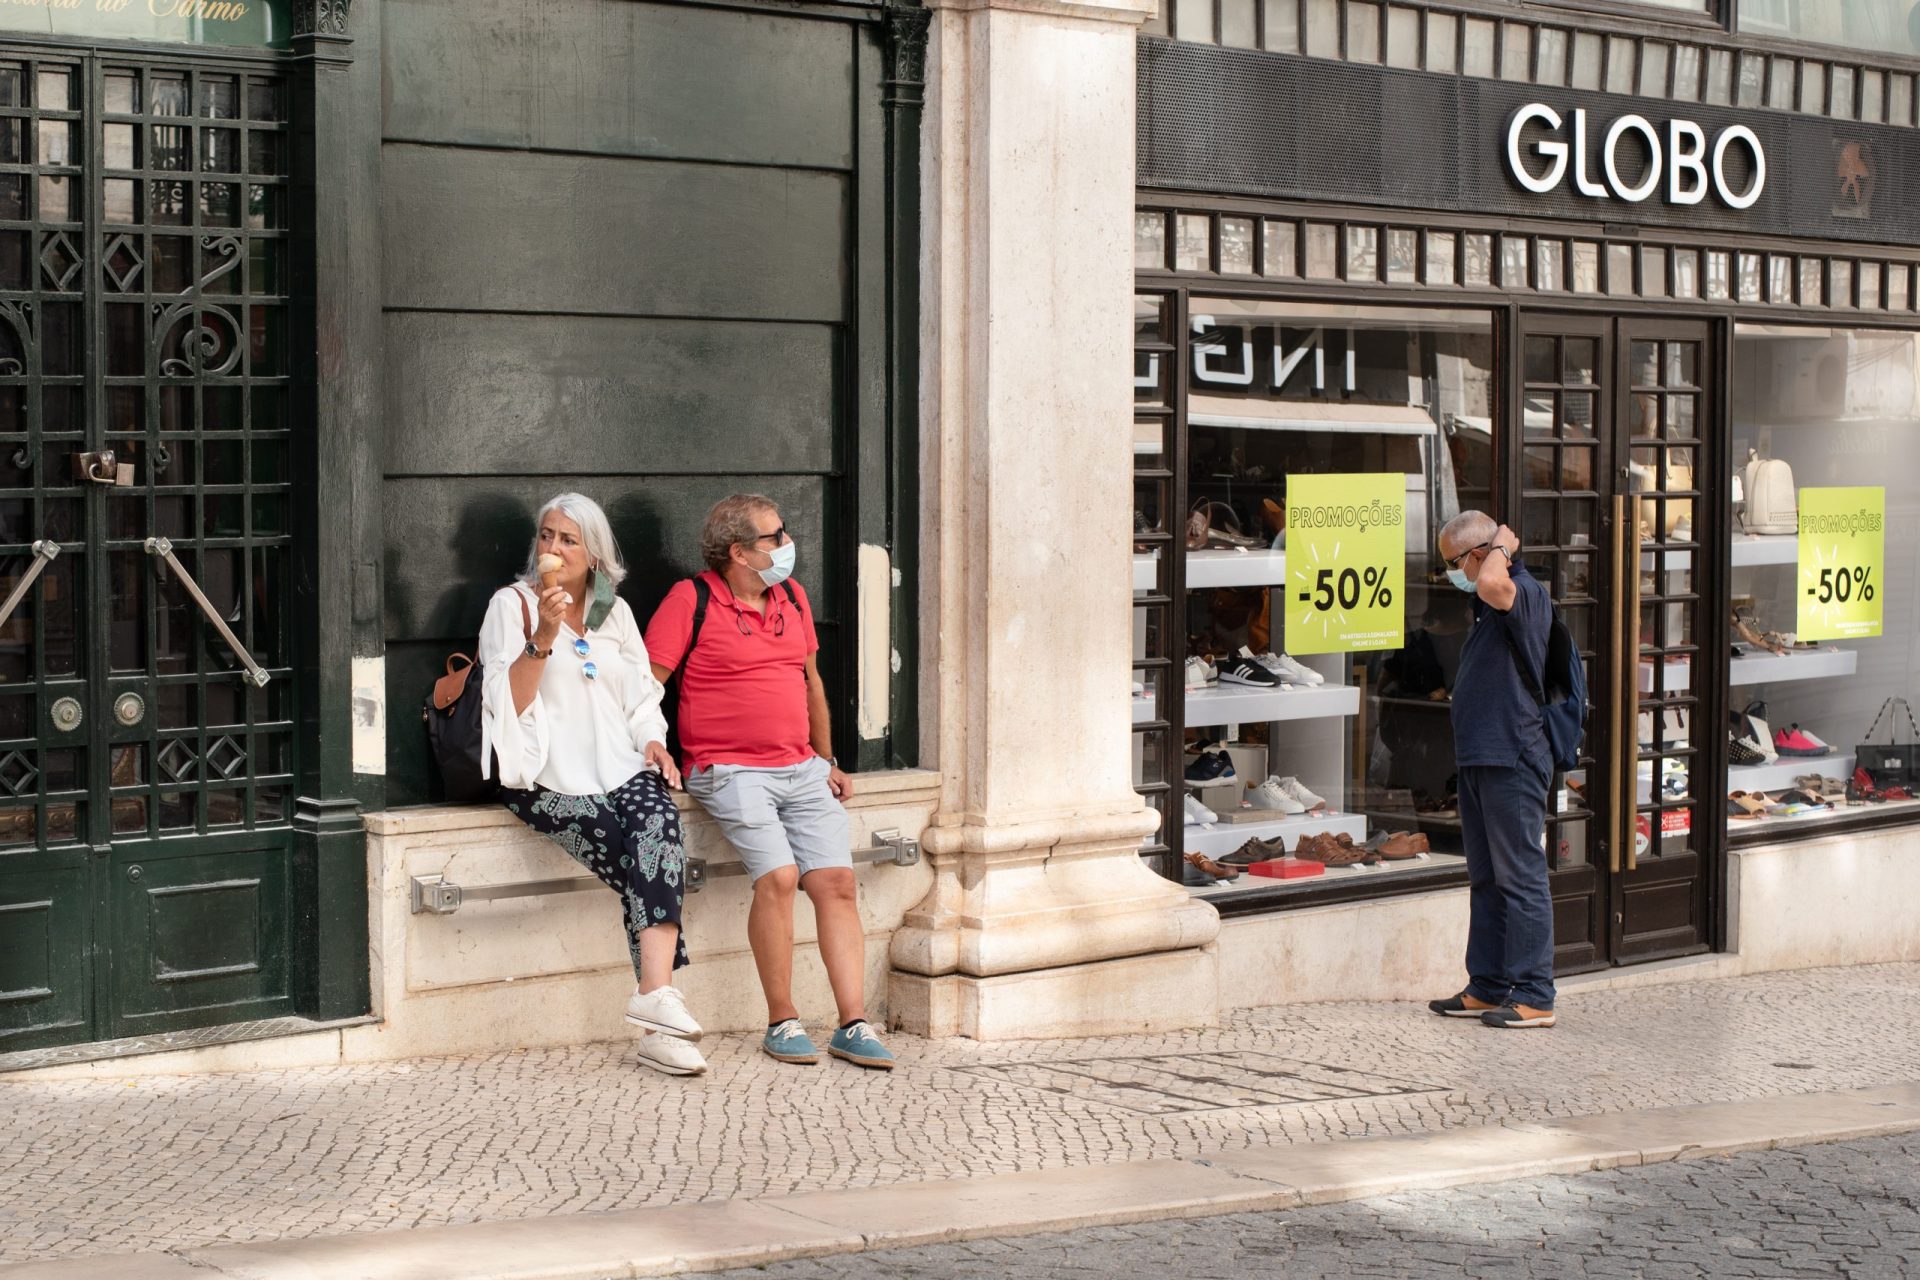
[1840, 1209]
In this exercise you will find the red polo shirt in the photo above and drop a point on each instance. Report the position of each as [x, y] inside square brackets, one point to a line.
[743, 692]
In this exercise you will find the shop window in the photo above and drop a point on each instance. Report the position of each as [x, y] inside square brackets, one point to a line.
[1655, 58]
[1516, 52]
[1323, 251]
[1813, 292]
[1873, 95]
[1192, 20]
[1192, 242]
[1586, 267]
[1363, 31]
[1780, 84]
[1239, 23]
[1653, 272]
[1621, 59]
[1477, 47]
[1403, 38]
[1476, 260]
[1813, 87]
[1840, 92]
[1322, 19]
[1780, 279]
[1514, 273]
[1279, 255]
[1869, 286]
[1840, 282]
[1283, 25]
[1443, 42]
[1828, 409]
[1753, 79]
[1236, 246]
[1899, 282]
[1403, 256]
[1549, 264]
[1150, 241]
[1686, 73]
[1900, 99]
[1359, 740]
[1363, 253]
[1686, 273]
[1869, 26]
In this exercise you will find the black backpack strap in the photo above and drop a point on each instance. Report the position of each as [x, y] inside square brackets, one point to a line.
[702, 593]
[1520, 661]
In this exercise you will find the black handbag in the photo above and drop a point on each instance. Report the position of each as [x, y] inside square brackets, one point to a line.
[1890, 763]
[454, 734]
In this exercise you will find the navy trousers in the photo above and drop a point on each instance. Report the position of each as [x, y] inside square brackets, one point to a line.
[1503, 814]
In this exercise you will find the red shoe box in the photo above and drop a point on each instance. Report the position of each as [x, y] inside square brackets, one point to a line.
[1287, 869]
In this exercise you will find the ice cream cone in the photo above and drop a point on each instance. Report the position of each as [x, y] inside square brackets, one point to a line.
[549, 567]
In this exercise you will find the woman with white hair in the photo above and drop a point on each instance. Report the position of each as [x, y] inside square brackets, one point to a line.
[571, 714]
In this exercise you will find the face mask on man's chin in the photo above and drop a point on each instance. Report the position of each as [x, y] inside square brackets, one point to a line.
[1458, 577]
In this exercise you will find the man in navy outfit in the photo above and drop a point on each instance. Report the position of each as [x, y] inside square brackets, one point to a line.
[1505, 768]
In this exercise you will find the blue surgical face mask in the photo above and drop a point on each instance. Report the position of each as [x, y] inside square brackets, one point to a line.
[782, 567]
[1458, 577]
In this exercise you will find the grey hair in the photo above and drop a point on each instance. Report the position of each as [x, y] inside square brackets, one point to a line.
[595, 534]
[730, 523]
[1469, 529]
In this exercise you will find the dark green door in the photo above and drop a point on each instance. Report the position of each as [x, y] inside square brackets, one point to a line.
[145, 770]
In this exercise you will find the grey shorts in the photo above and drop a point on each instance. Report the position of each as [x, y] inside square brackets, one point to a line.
[776, 817]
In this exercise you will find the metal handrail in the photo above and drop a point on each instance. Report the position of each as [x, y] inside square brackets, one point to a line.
[437, 895]
[163, 549]
[43, 555]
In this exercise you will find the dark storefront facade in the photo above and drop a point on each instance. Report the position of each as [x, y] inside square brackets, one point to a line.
[1580, 269]
[308, 306]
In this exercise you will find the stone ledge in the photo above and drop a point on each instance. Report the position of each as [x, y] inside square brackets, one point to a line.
[871, 790]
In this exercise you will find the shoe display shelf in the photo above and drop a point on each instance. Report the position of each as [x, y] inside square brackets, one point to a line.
[1226, 704]
[1224, 837]
[1146, 708]
[1779, 775]
[1805, 664]
[1357, 871]
[1257, 567]
[1765, 548]
[1145, 570]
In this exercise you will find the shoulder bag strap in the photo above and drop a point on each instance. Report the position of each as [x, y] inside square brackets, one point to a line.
[1872, 728]
[1520, 661]
[526, 617]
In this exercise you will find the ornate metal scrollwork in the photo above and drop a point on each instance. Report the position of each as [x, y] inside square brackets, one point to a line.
[19, 317]
[320, 17]
[207, 337]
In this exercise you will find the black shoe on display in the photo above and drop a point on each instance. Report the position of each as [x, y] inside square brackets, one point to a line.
[1210, 766]
[1239, 670]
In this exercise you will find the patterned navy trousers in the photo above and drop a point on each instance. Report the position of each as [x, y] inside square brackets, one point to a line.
[629, 838]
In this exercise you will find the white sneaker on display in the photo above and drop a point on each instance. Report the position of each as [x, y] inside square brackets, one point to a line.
[1271, 795]
[671, 1055]
[1811, 738]
[664, 1010]
[1200, 673]
[1296, 672]
[1302, 796]
[1199, 815]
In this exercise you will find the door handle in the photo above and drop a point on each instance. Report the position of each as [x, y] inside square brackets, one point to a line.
[1625, 675]
[1630, 690]
[162, 549]
[43, 555]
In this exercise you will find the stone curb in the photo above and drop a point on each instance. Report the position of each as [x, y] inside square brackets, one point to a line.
[743, 1233]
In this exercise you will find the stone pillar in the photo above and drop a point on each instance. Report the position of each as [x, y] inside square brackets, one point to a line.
[1042, 919]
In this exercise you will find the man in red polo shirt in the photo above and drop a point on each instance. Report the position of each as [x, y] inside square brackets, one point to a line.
[756, 748]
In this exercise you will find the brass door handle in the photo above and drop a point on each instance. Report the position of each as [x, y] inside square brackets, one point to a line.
[1630, 692]
[43, 555]
[162, 549]
[1624, 676]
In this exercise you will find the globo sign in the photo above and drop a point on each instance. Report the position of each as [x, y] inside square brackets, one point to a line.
[1542, 149]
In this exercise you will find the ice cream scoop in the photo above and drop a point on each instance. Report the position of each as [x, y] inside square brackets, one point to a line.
[548, 566]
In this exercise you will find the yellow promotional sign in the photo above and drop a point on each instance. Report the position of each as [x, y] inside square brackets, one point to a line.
[1346, 562]
[1843, 543]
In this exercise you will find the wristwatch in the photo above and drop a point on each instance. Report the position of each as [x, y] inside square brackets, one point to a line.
[532, 652]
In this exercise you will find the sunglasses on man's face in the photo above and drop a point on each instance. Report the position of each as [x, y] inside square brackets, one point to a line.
[778, 537]
[1453, 562]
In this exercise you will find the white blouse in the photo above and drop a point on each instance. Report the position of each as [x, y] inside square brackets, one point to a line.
[578, 736]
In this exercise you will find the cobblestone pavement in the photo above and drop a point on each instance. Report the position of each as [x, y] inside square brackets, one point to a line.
[1842, 1209]
[96, 1167]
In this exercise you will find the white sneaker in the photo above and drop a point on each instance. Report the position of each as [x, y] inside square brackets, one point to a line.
[1200, 673]
[1271, 795]
[1198, 814]
[1301, 795]
[671, 1055]
[1299, 673]
[664, 1010]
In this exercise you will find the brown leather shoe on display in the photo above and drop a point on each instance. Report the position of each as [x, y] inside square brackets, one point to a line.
[1208, 867]
[1402, 845]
